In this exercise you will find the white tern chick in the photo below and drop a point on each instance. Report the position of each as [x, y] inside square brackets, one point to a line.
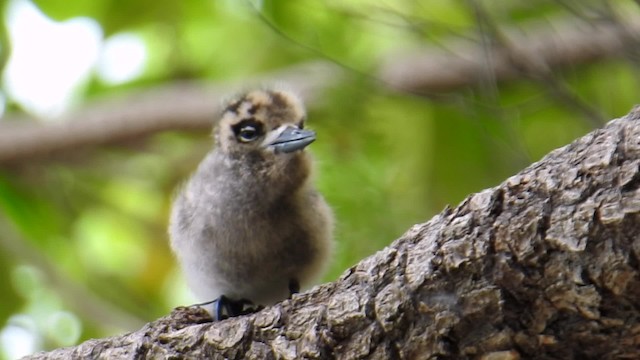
[249, 227]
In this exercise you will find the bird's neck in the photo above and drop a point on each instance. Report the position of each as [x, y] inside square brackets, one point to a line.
[268, 178]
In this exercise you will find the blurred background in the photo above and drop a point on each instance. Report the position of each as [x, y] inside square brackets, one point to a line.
[108, 105]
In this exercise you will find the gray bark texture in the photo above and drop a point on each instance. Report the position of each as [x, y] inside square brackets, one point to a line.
[543, 266]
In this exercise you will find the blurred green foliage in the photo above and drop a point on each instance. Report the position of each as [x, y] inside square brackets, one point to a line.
[385, 160]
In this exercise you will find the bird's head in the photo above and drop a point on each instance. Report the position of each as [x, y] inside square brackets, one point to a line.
[267, 123]
[262, 135]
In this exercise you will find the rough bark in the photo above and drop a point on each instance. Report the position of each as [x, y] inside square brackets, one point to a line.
[545, 266]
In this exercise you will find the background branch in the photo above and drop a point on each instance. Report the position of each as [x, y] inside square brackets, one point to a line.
[82, 300]
[538, 49]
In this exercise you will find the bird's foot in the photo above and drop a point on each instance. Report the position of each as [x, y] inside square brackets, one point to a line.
[224, 307]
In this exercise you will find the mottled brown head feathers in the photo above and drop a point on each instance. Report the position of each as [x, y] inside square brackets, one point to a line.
[246, 122]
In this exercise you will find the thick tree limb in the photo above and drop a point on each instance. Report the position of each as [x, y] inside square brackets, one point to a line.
[533, 52]
[545, 265]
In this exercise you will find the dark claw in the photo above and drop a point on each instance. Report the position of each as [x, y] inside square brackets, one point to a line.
[223, 307]
[294, 287]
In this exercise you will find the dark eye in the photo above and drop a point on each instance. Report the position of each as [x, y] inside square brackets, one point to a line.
[301, 125]
[248, 130]
[248, 133]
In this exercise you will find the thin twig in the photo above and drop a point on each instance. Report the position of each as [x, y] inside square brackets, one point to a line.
[84, 302]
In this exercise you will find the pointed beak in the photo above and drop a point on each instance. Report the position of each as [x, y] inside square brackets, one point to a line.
[291, 139]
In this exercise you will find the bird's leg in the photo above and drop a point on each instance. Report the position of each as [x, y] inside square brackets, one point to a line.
[223, 307]
[294, 287]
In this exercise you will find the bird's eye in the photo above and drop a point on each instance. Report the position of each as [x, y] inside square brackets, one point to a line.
[248, 131]
[301, 125]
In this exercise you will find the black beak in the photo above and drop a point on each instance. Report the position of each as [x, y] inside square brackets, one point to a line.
[292, 139]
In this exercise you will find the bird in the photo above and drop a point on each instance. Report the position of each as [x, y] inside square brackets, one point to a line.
[249, 228]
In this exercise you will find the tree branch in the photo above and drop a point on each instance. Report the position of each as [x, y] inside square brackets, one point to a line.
[83, 301]
[545, 265]
[549, 46]
[532, 51]
[178, 106]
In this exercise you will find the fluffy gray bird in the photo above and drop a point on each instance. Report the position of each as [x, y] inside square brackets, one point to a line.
[249, 227]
